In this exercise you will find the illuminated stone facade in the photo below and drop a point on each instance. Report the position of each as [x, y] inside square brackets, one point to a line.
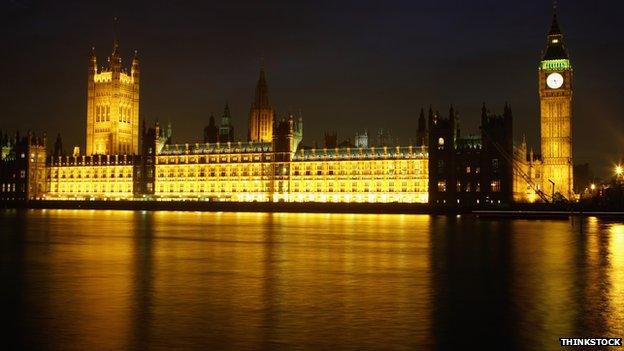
[112, 107]
[245, 171]
[276, 172]
[374, 174]
[527, 175]
[549, 177]
[91, 177]
[555, 90]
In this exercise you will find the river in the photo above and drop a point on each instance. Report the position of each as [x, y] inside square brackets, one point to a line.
[118, 280]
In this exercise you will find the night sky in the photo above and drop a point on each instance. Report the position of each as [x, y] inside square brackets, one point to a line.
[347, 66]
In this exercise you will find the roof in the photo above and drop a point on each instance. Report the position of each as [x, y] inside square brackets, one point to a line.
[369, 153]
[555, 48]
[216, 148]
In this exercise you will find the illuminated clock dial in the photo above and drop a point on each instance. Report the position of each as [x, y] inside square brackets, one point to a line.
[554, 80]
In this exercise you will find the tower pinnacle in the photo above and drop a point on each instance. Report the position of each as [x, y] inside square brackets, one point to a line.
[262, 92]
[115, 42]
[555, 47]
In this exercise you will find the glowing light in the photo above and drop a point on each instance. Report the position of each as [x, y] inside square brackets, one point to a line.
[592, 186]
[618, 170]
[554, 65]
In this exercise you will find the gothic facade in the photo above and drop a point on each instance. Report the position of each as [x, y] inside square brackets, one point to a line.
[549, 177]
[112, 106]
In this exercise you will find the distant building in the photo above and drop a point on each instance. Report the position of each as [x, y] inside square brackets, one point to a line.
[361, 139]
[211, 131]
[330, 140]
[226, 129]
[384, 138]
[422, 137]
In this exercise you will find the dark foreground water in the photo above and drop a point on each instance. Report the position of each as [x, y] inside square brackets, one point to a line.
[119, 280]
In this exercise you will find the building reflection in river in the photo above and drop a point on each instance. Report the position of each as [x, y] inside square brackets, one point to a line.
[119, 280]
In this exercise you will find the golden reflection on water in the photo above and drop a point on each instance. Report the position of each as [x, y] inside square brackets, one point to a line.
[616, 296]
[159, 280]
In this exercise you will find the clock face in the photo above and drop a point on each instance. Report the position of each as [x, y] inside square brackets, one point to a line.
[554, 80]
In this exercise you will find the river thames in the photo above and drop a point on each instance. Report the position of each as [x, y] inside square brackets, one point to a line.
[118, 280]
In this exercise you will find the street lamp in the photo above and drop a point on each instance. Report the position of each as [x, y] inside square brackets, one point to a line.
[592, 186]
[618, 170]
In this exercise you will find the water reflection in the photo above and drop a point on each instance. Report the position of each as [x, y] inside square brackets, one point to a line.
[159, 280]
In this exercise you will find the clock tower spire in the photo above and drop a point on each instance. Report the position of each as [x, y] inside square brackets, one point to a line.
[555, 92]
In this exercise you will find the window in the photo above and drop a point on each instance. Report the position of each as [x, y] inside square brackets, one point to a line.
[495, 164]
[441, 186]
[495, 185]
[440, 166]
[441, 141]
[467, 169]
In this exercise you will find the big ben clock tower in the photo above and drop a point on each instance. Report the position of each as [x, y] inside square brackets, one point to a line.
[555, 92]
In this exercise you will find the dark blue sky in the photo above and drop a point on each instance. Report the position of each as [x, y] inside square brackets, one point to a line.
[347, 66]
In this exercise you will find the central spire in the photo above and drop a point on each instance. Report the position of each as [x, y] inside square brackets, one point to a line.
[115, 41]
[262, 92]
[554, 26]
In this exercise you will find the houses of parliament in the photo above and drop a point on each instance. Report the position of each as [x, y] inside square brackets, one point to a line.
[126, 159]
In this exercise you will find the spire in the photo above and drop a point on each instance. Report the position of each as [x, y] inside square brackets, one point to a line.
[431, 117]
[115, 42]
[262, 92]
[226, 110]
[114, 61]
[554, 26]
[92, 63]
[555, 48]
[58, 146]
[524, 140]
[422, 123]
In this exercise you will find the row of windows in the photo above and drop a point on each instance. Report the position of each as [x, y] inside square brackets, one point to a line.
[211, 159]
[90, 176]
[7, 187]
[216, 186]
[495, 186]
[185, 172]
[91, 188]
[102, 114]
[469, 169]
